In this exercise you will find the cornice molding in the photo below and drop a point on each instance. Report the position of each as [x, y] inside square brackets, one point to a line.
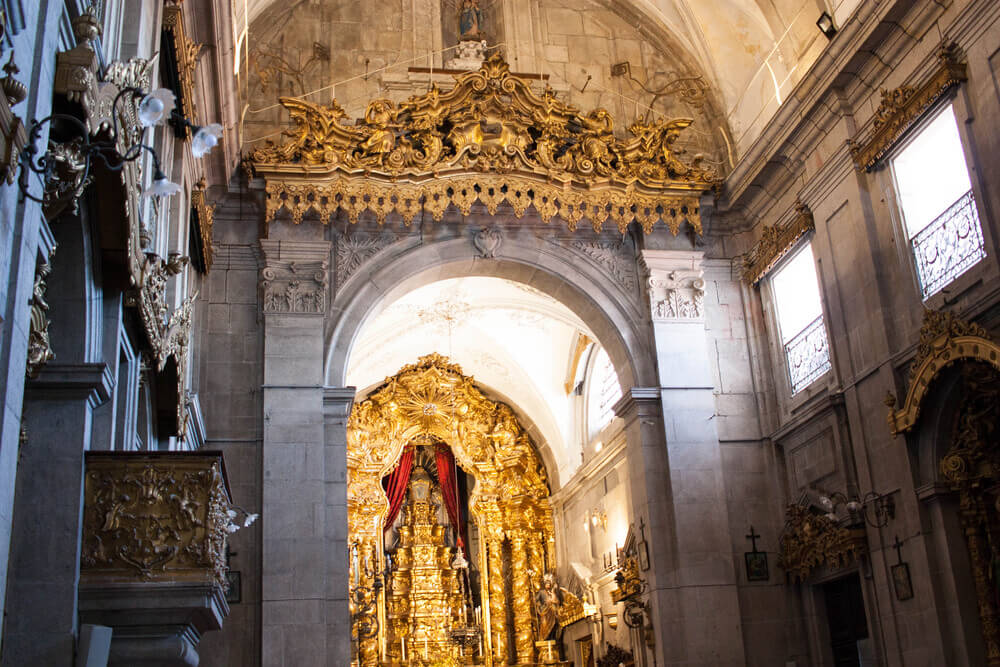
[775, 242]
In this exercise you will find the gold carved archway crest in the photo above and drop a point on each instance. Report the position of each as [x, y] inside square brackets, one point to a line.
[944, 339]
[490, 138]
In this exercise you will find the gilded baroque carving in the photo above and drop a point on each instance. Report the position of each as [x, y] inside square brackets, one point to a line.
[903, 106]
[294, 287]
[39, 346]
[679, 295]
[810, 541]
[205, 214]
[184, 53]
[944, 339]
[490, 138]
[154, 517]
[13, 134]
[432, 401]
[775, 241]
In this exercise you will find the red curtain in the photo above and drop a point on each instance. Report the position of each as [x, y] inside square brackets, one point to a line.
[395, 484]
[449, 491]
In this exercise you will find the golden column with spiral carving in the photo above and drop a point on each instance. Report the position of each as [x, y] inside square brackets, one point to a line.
[498, 613]
[521, 584]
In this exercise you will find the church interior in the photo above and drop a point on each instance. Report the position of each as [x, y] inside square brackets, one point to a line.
[433, 333]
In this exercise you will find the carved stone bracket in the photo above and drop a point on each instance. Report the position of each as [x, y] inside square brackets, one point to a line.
[903, 106]
[810, 541]
[944, 339]
[775, 241]
[154, 517]
[675, 285]
[295, 277]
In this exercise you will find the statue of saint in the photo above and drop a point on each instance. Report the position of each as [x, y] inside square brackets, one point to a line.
[470, 21]
[547, 603]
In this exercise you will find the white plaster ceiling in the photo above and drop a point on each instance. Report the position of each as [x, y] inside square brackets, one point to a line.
[514, 340]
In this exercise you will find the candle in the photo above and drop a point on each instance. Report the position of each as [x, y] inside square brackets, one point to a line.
[402, 648]
[425, 648]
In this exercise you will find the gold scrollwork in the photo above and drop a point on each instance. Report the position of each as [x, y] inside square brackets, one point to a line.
[422, 153]
[775, 241]
[205, 216]
[810, 540]
[183, 52]
[903, 106]
[944, 339]
[154, 517]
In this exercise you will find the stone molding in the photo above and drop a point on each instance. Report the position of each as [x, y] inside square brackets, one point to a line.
[638, 402]
[295, 277]
[675, 284]
[54, 381]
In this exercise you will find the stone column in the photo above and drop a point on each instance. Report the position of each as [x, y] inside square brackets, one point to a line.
[521, 587]
[337, 404]
[498, 614]
[294, 587]
[693, 593]
[41, 619]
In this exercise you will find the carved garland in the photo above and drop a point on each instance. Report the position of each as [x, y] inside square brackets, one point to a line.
[810, 541]
[39, 345]
[903, 106]
[944, 339]
[491, 139]
[775, 242]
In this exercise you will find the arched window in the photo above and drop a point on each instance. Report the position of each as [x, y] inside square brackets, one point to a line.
[603, 391]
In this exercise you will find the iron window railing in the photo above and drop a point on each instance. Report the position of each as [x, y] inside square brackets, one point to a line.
[948, 246]
[808, 355]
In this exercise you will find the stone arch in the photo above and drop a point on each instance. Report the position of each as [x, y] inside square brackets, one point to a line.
[615, 318]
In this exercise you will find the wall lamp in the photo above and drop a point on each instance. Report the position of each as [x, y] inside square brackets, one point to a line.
[595, 518]
[875, 508]
[825, 25]
[65, 168]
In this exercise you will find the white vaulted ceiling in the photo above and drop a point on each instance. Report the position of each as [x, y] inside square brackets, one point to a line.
[514, 340]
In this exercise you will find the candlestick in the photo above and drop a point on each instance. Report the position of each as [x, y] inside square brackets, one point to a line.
[425, 648]
[402, 648]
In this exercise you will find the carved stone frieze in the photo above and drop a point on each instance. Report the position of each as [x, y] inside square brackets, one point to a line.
[356, 248]
[678, 295]
[491, 139]
[154, 517]
[613, 256]
[903, 106]
[775, 241]
[811, 540]
[39, 346]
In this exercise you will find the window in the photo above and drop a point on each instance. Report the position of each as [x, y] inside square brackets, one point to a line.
[937, 204]
[800, 319]
[602, 393]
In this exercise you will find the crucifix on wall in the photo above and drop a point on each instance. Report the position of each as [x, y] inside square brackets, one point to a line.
[756, 561]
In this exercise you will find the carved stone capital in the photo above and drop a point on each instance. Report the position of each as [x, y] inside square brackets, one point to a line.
[295, 277]
[675, 284]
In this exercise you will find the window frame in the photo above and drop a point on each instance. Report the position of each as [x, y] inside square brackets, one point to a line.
[890, 187]
[791, 399]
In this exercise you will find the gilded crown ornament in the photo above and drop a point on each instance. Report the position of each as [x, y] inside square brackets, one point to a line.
[490, 138]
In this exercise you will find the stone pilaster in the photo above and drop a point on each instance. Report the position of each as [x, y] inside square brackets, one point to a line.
[337, 404]
[699, 589]
[295, 586]
[44, 572]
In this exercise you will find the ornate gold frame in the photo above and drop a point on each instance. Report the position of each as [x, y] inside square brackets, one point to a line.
[184, 54]
[944, 339]
[903, 106]
[491, 139]
[433, 400]
[775, 241]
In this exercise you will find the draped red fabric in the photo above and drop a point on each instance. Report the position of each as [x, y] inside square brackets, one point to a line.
[395, 484]
[449, 491]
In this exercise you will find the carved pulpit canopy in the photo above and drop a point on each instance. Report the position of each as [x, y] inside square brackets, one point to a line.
[810, 541]
[489, 138]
